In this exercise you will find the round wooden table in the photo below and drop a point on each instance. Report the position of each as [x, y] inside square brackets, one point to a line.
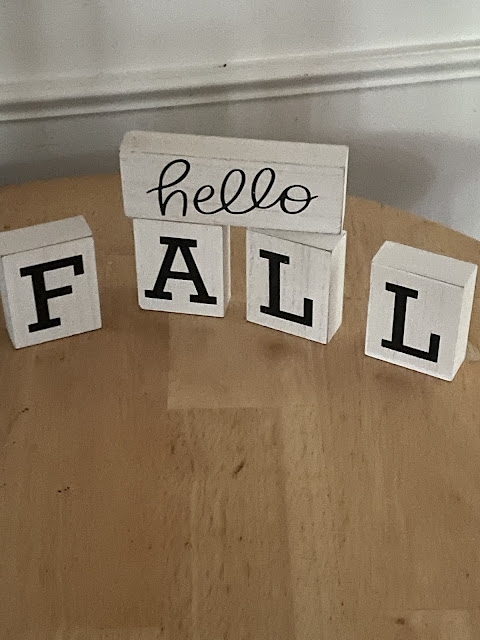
[178, 477]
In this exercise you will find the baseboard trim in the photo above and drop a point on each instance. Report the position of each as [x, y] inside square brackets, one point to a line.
[29, 98]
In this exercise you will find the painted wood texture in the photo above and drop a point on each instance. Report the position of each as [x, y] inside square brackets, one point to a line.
[295, 282]
[236, 182]
[182, 267]
[48, 281]
[419, 309]
[185, 477]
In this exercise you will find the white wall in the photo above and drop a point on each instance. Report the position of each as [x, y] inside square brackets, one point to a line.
[51, 37]
[416, 146]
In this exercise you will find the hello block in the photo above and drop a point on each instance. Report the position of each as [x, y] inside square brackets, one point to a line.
[48, 281]
[182, 267]
[419, 309]
[234, 182]
[295, 282]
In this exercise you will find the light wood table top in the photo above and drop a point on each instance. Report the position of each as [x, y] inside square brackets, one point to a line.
[178, 477]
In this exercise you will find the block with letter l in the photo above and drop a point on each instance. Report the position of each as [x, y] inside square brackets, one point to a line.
[182, 267]
[48, 281]
[295, 282]
[419, 309]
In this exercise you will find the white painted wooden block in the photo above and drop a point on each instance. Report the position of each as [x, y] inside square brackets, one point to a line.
[419, 309]
[236, 182]
[48, 281]
[295, 282]
[182, 267]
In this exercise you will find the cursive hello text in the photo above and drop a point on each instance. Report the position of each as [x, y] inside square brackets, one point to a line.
[292, 200]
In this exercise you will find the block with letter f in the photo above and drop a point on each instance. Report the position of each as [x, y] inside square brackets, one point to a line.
[48, 281]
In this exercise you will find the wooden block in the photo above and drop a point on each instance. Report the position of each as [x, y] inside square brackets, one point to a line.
[295, 282]
[419, 309]
[48, 281]
[235, 182]
[182, 267]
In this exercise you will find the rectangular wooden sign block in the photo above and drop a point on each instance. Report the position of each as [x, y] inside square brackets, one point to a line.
[48, 281]
[419, 309]
[235, 182]
[295, 282]
[182, 267]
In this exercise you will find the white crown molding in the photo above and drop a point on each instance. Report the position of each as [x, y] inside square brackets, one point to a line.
[28, 98]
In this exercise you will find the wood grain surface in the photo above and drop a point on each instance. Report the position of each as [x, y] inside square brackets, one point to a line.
[179, 477]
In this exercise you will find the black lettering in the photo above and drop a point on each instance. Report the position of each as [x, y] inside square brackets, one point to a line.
[184, 245]
[42, 295]
[161, 187]
[398, 329]
[206, 192]
[306, 200]
[197, 198]
[257, 202]
[223, 189]
[273, 308]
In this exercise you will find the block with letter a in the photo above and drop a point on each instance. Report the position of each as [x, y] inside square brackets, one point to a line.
[48, 281]
[419, 309]
[295, 282]
[182, 267]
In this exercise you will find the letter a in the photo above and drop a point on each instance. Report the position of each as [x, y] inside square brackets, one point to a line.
[192, 273]
[182, 267]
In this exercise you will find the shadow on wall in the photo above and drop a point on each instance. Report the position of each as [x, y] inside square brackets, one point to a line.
[391, 170]
[433, 177]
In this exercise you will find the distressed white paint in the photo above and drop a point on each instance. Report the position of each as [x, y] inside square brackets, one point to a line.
[315, 272]
[299, 186]
[211, 256]
[78, 311]
[445, 288]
